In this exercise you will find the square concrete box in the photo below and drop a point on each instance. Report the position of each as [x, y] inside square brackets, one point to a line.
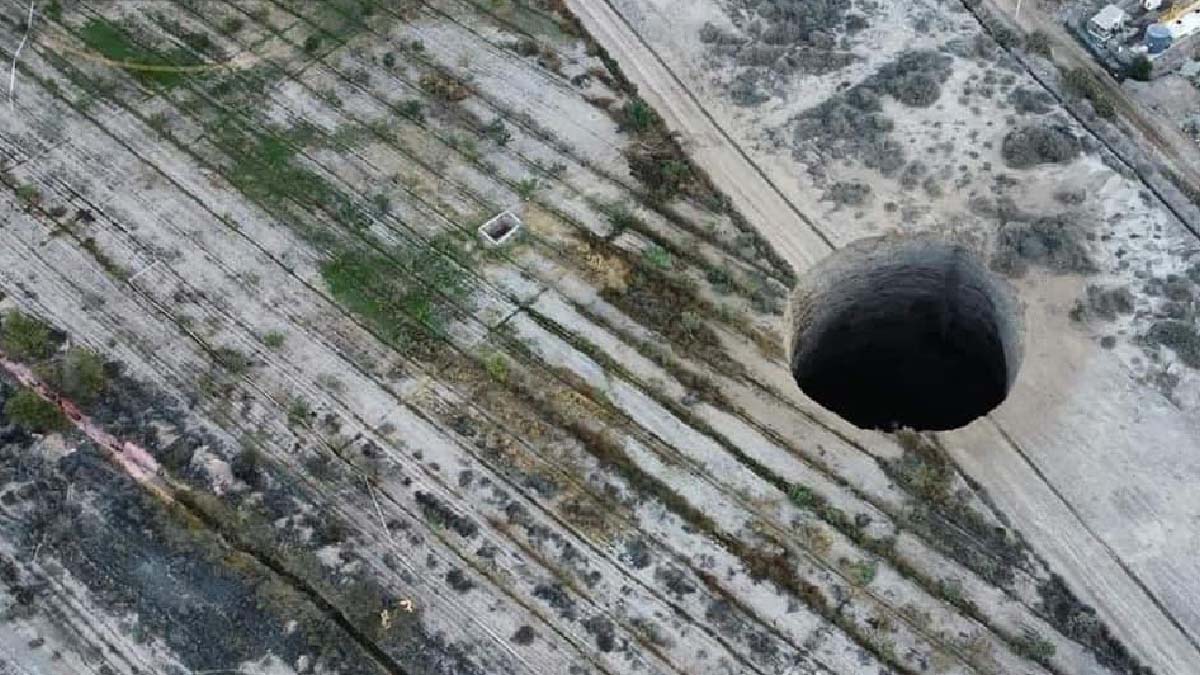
[500, 229]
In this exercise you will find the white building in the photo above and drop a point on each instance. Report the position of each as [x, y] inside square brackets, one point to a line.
[1107, 22]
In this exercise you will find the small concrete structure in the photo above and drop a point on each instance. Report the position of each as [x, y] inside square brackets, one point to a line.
[503, 227]
[1108, 22]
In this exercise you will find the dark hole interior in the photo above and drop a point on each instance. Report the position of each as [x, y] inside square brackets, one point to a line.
[908, 346]
[500, 227]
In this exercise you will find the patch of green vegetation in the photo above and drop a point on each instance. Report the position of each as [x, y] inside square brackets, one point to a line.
[54, 10]
[802, 496]
[670, 304]
[1038, 42]
[247, 467]
[235, 361]
[406, 312]
[265, 169]
[464, 144]
[638, 115]
[497, 367]
[299, 412]
[25, 338]
[526, 187]
[496, 131]
[1142, 68]
[34, 413]
[658, 257]
[273, 339]
[114, 43]
[79, 375]
[89, 244]
[621, 218]
[197, 41]
[29, 194]
[1080, 83]
[1033, 646]
[444, 87]
[413, 110]
[861, 572]
[231, 25]
[720, 279]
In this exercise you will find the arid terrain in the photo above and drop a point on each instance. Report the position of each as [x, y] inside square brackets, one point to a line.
[271, 403]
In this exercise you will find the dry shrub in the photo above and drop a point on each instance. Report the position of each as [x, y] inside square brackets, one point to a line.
[443, 87]
[1033, 145]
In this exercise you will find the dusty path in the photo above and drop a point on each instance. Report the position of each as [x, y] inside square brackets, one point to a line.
[1036, 490]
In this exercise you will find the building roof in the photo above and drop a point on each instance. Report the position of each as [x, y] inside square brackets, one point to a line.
[1110, 17]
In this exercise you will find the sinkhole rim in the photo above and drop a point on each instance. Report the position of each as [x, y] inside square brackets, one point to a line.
[944, 333]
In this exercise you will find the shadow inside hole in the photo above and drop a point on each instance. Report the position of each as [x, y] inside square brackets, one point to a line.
[916, 337]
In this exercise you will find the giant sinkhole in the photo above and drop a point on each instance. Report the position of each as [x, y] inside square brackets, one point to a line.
[911, 331]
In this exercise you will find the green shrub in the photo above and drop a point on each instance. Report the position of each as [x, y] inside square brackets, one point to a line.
[30, 411]
[1082, 84]
[496, 131]
[497, 367]
[639, 116]
[1033, 646]
[298, 412]
[29, 194]
[1141, 68]
[81, 376]
[273, 339]
[526, 188]
[802, 496]
[232, 25]
[658, 257]
[861, 573]
[1038, 42]
[25, 338]
[412, 110]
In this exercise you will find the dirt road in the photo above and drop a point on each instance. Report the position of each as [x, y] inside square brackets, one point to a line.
[1034, 488]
